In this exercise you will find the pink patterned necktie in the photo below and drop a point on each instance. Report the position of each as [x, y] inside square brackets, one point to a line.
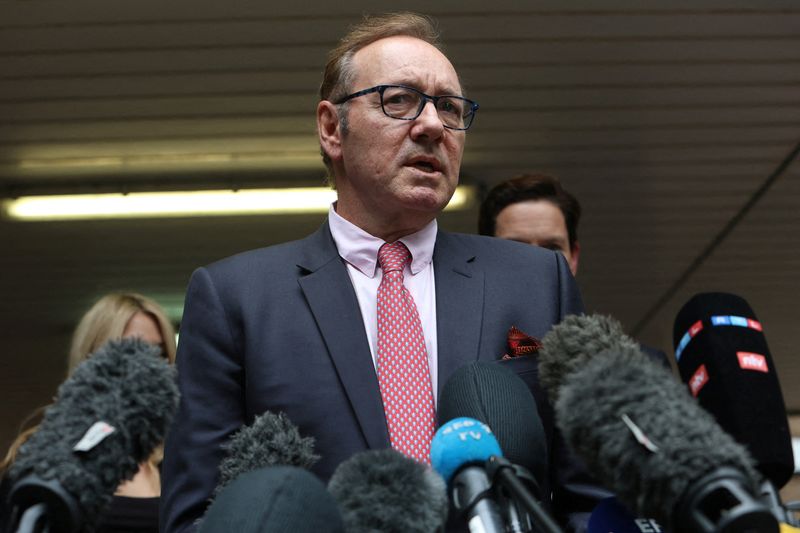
[403, 373]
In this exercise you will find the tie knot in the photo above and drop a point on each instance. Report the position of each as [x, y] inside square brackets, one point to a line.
[393, 256]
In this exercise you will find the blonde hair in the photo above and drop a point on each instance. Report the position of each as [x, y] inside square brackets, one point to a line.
[108, 318]
[104, 321]
[338, 74]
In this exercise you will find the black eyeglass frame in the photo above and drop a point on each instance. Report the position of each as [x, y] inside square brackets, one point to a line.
[469, 117]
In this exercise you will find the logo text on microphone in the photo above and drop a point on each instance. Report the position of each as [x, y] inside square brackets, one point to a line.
[698, 380]
[752, 361]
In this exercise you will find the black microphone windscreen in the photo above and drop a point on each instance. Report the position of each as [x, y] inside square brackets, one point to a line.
[641, 434]
[383, 490]
[496, 396]
[723, 357]
[570, 344]
[125, 385]
[271, 440]
[278, 499]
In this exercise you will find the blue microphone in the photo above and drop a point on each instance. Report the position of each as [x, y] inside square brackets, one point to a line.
[459, 453]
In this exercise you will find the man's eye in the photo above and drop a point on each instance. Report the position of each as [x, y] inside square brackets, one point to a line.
[449, 106]
[398, 98]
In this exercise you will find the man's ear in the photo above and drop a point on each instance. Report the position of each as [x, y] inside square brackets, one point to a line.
[330, 134]
[574, 255]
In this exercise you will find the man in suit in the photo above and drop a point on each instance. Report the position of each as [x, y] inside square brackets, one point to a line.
[297, 327]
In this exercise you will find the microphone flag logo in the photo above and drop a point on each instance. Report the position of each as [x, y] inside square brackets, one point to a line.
[698, 380]
[752, 361]
[94, 436]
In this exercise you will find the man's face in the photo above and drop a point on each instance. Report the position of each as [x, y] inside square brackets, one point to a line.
[403, 171]
[538, 222]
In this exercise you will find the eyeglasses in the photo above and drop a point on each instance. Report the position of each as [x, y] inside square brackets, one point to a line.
[407, 103]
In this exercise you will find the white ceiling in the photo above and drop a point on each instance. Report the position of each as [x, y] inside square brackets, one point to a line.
[666, 119]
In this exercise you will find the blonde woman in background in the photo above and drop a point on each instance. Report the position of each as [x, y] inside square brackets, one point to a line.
[116, 316]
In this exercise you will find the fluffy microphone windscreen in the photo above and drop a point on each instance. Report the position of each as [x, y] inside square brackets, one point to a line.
[641, 434]
[271, 440]
[277, 499]
[126, 385]
[723, 357]
[500, 399]
[569, 345]
[383, 490]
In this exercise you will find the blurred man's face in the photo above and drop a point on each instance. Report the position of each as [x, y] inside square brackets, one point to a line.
[538, 222]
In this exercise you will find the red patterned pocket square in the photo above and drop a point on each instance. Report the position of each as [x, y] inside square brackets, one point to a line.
[520, 343]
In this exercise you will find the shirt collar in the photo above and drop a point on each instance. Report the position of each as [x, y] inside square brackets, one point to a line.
[360, 249]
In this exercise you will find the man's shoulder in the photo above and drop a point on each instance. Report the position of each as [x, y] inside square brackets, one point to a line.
[265, 254]
[277, 257]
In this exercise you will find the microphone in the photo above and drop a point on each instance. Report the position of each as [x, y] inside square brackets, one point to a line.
[724, 359]
[383, 490]
[496, 396]
[642, 435]
[569, 345]
[264, 485]
[459, 451]
[612, 516]
[108, 417]
[271, 440]
[277, 499]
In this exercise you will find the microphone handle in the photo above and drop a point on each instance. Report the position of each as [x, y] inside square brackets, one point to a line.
[771, 497]
[471, 496]
[39, 505]
[33, 520]
[513, 518]
[502, 470]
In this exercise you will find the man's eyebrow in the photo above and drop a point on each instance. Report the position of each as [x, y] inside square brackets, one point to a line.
[451, 91]
[416, 85]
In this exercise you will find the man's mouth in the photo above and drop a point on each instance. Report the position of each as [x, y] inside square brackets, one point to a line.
[426, 165]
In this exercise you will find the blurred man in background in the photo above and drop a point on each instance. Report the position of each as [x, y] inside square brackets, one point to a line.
[535, 209]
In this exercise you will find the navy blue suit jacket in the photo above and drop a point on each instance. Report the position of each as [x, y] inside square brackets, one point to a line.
[280, 329]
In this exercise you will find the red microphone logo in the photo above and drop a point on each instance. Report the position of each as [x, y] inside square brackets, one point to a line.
[698, 380]
[752, 361]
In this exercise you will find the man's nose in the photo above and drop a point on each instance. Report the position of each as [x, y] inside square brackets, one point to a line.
[428, 123]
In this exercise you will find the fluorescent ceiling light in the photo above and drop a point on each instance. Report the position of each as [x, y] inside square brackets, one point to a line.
[186, 203]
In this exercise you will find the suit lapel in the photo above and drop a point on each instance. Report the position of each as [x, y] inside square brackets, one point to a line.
[459, 304]
[330, 295]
